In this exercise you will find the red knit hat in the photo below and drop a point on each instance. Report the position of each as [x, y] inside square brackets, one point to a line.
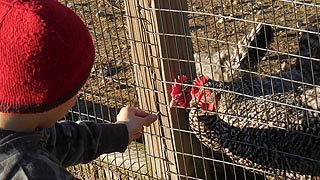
[46, 55]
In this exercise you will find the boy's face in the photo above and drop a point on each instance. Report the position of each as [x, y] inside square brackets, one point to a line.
[57, 113]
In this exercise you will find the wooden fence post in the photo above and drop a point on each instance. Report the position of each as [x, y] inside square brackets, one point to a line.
[161, 50]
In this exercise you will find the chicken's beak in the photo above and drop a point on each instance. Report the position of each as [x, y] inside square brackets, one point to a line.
[173, 103]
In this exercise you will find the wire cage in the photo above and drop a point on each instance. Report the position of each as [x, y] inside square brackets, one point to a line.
[234, 84]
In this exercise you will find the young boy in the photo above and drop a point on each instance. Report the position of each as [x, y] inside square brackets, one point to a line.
[46, 55]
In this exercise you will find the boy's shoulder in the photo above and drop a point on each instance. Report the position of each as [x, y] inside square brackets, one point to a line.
[22, 157]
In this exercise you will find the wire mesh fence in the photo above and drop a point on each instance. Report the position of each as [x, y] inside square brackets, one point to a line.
[234, 83]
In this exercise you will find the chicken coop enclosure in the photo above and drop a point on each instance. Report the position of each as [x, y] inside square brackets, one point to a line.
[234, 84]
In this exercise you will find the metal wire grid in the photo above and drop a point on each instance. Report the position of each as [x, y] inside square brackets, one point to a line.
[206, 17]
[214, 26]
[285, 51]
[110, 87]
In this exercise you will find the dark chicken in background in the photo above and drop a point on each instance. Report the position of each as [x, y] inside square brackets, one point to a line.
[226, 64]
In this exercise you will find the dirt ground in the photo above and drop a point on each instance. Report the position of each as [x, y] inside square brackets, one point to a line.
[212, 25]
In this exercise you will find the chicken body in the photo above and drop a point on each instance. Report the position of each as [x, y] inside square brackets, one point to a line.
[274, 134]
[270, 124]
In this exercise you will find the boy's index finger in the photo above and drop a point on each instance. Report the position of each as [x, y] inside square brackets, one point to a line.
[140, 113]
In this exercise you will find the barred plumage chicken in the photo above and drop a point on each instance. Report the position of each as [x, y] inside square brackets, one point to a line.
[269, 124]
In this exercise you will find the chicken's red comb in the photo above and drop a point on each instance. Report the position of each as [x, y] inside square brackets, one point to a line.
[176, 87]
[201, 80]
[180, 94]
[181, 79]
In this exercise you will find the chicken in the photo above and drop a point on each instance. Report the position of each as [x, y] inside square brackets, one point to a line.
[227, 64]
[305, 73]
[274, 131]
[270, 124]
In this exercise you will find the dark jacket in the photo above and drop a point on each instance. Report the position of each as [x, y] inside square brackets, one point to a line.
[44, 154]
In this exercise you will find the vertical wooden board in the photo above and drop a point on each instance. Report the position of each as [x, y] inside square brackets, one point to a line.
[140, 46]
[174, 44]
[161, 50]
